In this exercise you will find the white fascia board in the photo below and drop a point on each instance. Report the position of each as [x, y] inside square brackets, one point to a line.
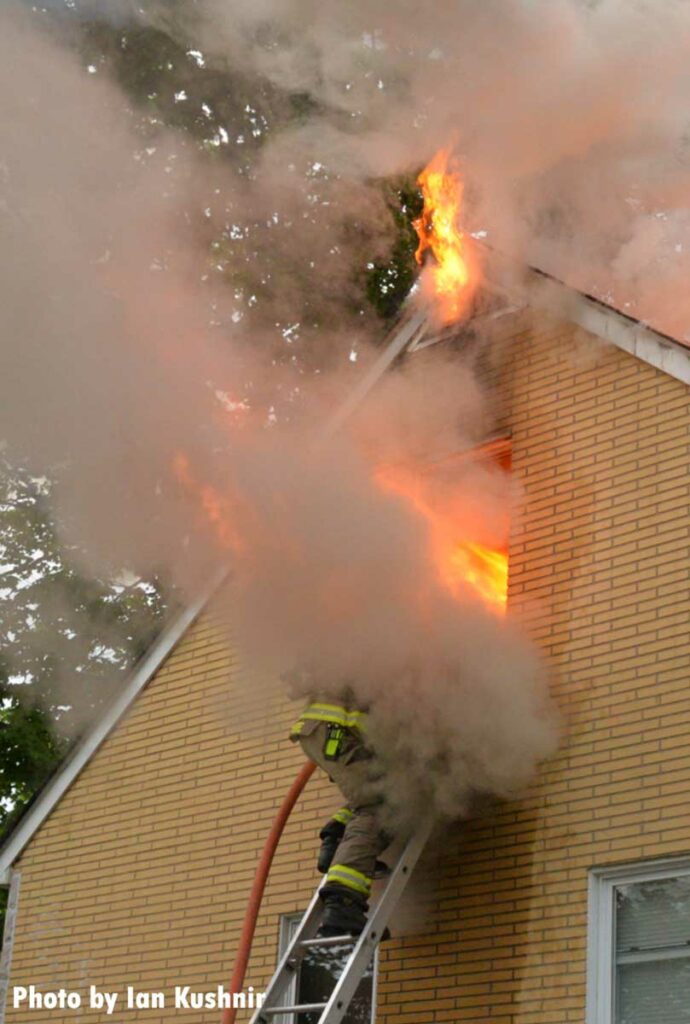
[540, 290]
[89, 744]
[666, 355]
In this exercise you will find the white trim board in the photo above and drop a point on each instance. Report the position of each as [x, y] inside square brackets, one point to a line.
[8, 940]
[50, 795]
[542, 291]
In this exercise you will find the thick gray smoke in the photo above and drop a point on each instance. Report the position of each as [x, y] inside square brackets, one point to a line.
[108, 288]
[341, 581]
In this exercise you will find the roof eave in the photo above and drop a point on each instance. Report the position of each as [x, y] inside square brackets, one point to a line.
[542, 291]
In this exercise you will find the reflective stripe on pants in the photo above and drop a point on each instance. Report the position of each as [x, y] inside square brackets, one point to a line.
[342, 874]
[343, 816]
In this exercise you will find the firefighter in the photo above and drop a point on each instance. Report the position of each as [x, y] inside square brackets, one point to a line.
[333, 735]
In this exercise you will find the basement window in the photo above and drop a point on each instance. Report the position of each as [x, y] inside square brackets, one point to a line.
[317, 975]
[639, 944]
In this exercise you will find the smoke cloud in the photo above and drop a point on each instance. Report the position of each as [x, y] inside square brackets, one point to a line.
[570, 118]
[339, 581]
[151, 348]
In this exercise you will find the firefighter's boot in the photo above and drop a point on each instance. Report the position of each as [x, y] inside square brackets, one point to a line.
[330, 836]
[345, 911]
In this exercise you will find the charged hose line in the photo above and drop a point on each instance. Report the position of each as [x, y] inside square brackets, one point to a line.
[259, 884]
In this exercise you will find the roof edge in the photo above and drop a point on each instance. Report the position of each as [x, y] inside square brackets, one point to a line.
[66, 774]
[542, 290]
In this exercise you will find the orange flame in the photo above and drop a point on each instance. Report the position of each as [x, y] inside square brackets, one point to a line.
[459, 561]
[454, 273]
[216, 509]
[484, 569]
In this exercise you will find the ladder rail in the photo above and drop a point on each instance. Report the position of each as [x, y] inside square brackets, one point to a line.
[286, 970]
[362, 954]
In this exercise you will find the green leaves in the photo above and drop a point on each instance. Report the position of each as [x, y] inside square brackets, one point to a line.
[67, 638]
[29, 753]
[388, 282]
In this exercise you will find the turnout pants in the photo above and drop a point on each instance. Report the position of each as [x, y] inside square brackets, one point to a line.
[357, 775]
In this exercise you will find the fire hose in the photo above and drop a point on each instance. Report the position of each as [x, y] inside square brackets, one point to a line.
[259, 884]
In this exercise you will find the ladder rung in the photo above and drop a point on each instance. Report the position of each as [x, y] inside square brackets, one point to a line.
[332, 940]
[358, 957]
[299, 1008]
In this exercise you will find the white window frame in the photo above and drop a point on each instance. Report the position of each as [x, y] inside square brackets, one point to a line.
[601, 922]
[288, 926]
[8, 938]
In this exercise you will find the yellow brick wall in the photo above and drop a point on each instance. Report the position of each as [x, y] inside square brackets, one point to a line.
[141, 874]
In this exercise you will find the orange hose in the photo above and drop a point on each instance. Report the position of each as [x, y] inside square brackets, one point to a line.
[255, 896]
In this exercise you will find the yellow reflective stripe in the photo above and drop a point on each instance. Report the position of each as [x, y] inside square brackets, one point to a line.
[344, 875]
[336, 714]
[343, 815]
[349, 717]
[338, 708]
[333, 714]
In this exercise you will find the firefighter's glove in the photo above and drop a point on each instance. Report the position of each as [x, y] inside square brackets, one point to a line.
[330, 835]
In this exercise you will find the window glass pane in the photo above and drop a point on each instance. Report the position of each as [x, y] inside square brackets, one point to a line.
[319, 971]
[653, 914]
[318, 974]
[655, 992]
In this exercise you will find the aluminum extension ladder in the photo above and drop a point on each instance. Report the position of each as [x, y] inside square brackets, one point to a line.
[363, 946]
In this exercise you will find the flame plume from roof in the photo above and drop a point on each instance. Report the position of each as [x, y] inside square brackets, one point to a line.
[454, 276]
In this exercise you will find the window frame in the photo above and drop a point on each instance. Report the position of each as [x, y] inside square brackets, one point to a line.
[287, 925]
[601, 924]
